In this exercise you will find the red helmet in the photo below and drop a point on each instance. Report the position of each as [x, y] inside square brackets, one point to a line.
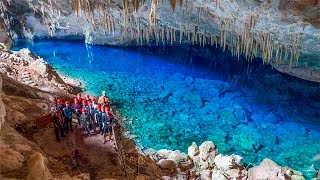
[67, 102]
[59, 101]
[84, 101]
[98, 106]
[90, 104]
[83, 110]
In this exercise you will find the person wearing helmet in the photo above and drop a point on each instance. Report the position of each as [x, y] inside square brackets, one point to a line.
[87, 97]
[85, 105]
[104, 99]
[57, 122]
[77, 110]
[79, 99]
[85, 120]
[111, 123]
[94, 101]
[59, 104]
[107, 126]
[91, 113]
[67, 111]
[98, 118]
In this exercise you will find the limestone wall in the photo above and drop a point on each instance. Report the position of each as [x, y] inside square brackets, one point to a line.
[2, 107]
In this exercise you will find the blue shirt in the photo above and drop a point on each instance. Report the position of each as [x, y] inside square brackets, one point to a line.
[67, 111]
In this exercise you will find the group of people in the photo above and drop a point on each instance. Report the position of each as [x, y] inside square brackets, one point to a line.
[91, 115]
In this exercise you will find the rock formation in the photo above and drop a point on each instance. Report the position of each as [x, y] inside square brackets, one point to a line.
[29, 69]
[2, 108]
[37, 168]
[209, 165]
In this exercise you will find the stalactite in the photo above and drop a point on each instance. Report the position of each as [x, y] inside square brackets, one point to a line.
[180, 34]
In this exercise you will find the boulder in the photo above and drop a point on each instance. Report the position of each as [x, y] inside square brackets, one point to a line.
[226, 162]
[207, 149]
[233, 173]
[318, 177]
[193, 150]
[205, 175]
[37, 168]
[266, 170]
[10, 159]
[167, 164]
[218, 174]
[297, 177]
[82, 176]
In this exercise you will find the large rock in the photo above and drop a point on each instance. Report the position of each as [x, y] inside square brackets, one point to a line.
[37, 168]
[226, 162]
[82, 176]
[167, 164]
[193, 150]
[207, 150]
[180, 158]
[266, 170]
[218, 174]
[205, 175]
[318, 177]
[10, 159]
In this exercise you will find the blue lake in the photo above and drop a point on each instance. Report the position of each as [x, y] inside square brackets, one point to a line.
[168, 104]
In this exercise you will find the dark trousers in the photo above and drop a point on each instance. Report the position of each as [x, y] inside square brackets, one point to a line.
[101, 126]
[58, 131]
[69, 123]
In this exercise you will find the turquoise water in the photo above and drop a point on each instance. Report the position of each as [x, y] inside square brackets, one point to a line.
[167, 104]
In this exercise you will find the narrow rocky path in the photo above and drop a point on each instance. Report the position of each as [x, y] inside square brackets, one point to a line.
[79, 153]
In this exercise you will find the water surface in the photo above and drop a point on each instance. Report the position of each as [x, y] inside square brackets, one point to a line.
[169, 105]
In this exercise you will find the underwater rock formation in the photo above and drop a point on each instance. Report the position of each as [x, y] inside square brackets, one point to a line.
[278, 31]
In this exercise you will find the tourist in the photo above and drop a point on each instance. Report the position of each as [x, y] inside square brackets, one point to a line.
[107, 126]
[79, 99]
[59, 104]
[57, 122]
[93, 100]
[85, 120]
[67, 111]
[77, 110]
[111, 123]
[104, 99]
[91, 113]
[98, 118]
[85, 105]
[87, 97]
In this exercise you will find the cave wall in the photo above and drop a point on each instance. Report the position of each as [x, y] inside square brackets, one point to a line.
[2, 107]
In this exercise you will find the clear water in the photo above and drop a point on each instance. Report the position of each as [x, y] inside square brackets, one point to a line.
[170, 105]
